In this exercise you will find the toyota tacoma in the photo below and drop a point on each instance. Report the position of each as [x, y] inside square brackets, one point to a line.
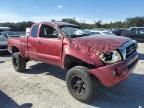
[88, 59]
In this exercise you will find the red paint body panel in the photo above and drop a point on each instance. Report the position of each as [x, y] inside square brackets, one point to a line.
[50, 50]
[101, 43]
[32, 48]
[105, 73]
[87, 49]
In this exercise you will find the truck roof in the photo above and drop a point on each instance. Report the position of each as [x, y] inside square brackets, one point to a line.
[58, 23]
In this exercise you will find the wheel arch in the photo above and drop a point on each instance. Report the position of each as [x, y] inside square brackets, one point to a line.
[71, 61]
[15, 49]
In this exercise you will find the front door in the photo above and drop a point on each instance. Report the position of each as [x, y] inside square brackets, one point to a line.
[49, 46]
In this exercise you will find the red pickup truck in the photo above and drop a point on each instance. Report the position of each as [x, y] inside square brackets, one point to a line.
[89, 59]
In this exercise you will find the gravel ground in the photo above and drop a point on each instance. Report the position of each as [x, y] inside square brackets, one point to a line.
[43, 86]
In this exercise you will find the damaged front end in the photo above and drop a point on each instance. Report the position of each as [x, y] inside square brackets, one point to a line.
[112, 58]
[118, 64]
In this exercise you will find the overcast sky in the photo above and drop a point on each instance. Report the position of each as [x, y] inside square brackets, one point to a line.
[88, 10]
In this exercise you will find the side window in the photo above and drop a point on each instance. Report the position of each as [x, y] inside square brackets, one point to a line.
[34, 31]
[48, 32]
[133, 30]
[141, 31]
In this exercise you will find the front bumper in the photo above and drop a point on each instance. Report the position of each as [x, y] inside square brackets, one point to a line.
[110, 75]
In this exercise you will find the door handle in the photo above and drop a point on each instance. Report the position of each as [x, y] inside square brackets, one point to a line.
[39, 42]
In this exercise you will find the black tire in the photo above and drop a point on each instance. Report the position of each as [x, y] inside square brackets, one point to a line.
[83, 89]
[18, 62]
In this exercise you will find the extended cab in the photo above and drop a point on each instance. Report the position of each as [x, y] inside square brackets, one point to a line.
[89, 59]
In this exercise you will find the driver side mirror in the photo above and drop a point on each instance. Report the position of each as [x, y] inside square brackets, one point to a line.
[28, 32]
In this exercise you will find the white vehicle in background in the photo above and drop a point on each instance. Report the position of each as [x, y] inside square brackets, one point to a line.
[3, 29]
[101, 32]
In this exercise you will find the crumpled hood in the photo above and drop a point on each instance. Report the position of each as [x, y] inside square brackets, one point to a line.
[101, 43]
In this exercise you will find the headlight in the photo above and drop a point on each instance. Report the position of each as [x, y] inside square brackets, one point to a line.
[111, 57]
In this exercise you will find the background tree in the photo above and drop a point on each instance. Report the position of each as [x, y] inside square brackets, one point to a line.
[129, 22]
[137, 21]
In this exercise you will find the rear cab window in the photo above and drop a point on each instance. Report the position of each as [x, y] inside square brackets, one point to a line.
[34, 30]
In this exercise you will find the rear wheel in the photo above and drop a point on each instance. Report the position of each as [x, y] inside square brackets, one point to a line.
[80, 84]
[18, 61]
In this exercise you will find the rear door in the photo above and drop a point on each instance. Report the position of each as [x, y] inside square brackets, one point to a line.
[49, 45]
[32, 42]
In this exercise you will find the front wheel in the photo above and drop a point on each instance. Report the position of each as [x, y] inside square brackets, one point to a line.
[79, 84]
[19, 63]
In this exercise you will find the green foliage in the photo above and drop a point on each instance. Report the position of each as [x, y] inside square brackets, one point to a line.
[137, 21]
[129, 22]
[72, 21]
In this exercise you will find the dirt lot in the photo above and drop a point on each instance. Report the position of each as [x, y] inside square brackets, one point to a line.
[43, 86]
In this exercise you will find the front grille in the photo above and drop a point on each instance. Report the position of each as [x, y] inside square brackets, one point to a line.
[130, 50]
[3, 47]
[132, 64]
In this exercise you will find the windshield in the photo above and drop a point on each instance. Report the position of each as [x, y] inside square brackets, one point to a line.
[73, 31]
